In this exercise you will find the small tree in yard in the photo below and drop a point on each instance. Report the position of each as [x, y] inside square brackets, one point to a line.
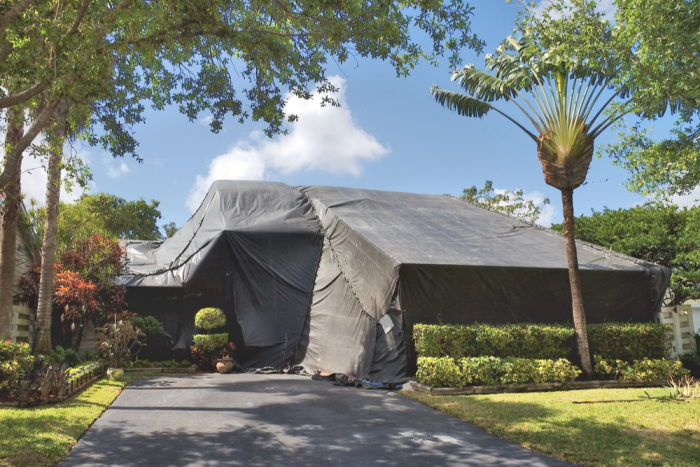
[558, 97]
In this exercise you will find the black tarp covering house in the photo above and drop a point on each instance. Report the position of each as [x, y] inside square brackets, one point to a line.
[333, 279]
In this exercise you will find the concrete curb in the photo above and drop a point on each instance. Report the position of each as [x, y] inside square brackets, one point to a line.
[534, 387]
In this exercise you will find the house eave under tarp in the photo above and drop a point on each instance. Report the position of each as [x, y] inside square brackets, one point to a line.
[333, 279]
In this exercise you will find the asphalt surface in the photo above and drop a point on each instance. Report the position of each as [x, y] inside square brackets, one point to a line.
[283, 420]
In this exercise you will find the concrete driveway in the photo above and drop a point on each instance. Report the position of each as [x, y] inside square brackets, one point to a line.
[283, 420]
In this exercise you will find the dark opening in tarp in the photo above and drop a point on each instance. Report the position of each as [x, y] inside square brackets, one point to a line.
[308, 275]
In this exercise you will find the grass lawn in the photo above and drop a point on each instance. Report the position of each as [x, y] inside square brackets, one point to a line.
[647, 433]
[42, 436]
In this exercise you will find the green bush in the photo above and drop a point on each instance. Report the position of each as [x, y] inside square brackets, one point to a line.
[16, 360]
[209, 318]
[210, 342]
[478, 371]
[68, 356]
[630, 341]
[639, 370]
[533, 341]
[150, 326]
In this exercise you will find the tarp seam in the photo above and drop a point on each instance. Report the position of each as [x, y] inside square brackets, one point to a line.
[335, 256]
[318, 265]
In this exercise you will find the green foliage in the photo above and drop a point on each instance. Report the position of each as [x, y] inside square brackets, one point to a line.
[118, 342]
[478, 371]
[508, 201]
[209, 318]
[151, 327]
[534, 341]
[170, 229]
[639, 370]
[653, 47]
[662, 234]
[211, 342]
[630, 341]
[28, 378]
[68, 356]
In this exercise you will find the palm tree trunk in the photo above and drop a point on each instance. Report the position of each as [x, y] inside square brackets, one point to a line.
[11, 199]
[42, 344]
[567, 197]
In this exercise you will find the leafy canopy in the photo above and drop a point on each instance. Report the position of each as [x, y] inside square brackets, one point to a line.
[662, 234]
[506, 201]
[654, 48]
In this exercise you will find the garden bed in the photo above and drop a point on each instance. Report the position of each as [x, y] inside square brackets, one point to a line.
[535, 387]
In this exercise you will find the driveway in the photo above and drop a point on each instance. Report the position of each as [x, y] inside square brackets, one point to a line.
[283, 420]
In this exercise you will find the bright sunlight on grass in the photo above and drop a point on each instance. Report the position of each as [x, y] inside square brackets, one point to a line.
[42, 436]
[645, 433]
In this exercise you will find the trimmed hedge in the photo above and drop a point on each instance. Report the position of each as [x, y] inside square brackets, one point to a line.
[478, 371]
[617, 341]
[630, 341]
[640, 370]
[209, 318]
[210, 342]
[533, 341]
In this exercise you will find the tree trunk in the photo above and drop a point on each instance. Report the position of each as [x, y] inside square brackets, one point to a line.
[567, 197]
[42, 344]
[9, 213]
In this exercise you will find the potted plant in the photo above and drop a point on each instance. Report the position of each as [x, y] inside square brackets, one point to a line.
[212, 350]
[118, 342]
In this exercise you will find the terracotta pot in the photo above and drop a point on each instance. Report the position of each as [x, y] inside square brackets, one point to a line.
[224, 365]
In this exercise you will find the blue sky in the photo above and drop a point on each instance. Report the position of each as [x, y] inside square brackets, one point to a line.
[388, 135]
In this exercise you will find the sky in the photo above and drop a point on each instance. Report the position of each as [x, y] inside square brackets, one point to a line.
[388, 134]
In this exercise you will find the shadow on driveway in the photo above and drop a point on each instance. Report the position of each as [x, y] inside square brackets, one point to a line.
[283, 420]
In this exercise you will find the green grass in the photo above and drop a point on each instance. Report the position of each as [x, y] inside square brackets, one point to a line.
[42, 436]
[646, 433]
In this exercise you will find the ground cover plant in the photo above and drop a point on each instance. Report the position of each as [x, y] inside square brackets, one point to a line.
[42, 436]
[647, 432]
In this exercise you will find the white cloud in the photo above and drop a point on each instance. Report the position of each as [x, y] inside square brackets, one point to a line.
[691, 199]
[115, 170]
[324, 138]
[606, 6]
[206, 120]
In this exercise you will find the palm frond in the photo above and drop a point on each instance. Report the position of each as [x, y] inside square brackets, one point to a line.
[464, 105]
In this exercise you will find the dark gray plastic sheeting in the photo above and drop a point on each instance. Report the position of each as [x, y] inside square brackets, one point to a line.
[314, 270]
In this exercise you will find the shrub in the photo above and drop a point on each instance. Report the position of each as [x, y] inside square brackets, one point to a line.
[630, 341]
[210, 342]
[534, 341]
[15, 361]
[640, 370]
[446, 372]
[68, 356]
[118, 342]
[209, 318]
[150, 326]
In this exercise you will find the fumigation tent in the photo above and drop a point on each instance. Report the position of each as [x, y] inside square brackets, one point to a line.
[333, 279]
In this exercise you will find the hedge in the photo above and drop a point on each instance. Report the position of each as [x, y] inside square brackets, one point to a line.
[210, 342]
[617, 341]
[479, 371]
[639, 370]
[534, 341]
[630, 341]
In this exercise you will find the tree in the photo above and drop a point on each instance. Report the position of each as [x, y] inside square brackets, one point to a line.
[169, 229]
[507, 201]
[225, 57]
[654, 45]
[9, 214]
[559, 98]
[658, 233]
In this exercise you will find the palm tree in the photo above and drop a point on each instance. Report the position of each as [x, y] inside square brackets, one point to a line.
[559, 100]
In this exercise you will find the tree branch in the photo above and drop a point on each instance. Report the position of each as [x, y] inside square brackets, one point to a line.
[20, 97]
[37, 126]
[17, 10]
